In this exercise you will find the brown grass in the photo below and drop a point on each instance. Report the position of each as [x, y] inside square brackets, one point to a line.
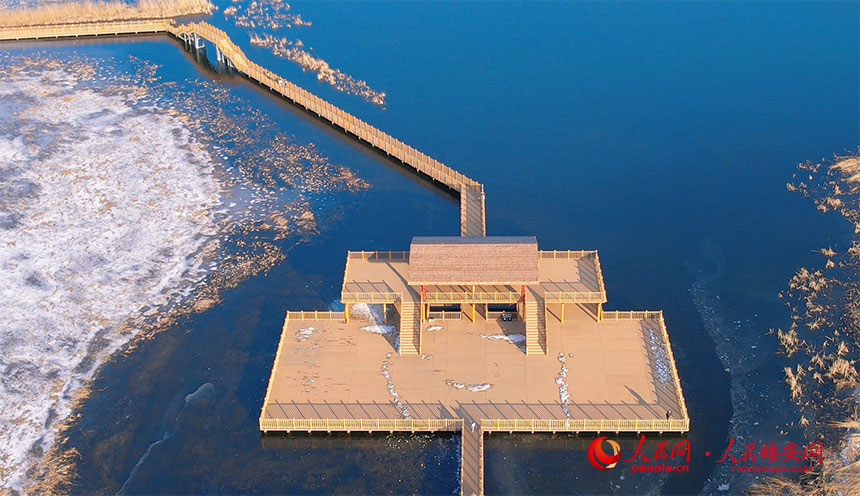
[839, 474]
[849, 168]
[89, 11]
[793, 381]
[789, 341]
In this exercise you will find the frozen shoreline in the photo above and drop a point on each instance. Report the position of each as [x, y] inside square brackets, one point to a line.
[125, 202]
[108, 212]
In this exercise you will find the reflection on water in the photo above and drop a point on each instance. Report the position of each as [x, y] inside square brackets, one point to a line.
[518, 459]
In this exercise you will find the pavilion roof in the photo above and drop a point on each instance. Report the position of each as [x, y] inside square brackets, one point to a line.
[463, 260]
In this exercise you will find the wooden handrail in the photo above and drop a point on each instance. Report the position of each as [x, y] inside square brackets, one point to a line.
[315, 315]
[470, 297]
[575, 296]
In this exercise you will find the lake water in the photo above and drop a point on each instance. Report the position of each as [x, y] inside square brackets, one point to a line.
[660, 134]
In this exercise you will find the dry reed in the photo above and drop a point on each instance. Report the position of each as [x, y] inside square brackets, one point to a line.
[838, 474]
[89, 11]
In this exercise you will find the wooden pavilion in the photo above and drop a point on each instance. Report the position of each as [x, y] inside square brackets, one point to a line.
[493, 277]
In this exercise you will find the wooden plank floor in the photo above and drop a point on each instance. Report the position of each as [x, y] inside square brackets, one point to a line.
[472, 459]
[613, 370]
[472, 212]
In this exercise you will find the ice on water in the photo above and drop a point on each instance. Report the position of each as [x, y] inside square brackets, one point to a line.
[105, 211]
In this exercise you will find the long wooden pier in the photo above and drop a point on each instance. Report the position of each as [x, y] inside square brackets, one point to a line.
[472, 203]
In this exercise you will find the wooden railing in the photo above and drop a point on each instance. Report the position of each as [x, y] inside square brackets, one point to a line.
[600, 285]
[566, 254]
[575, 297]
[489, 425]
[72, 30]
[408, 425]
[445, 315]
[586, 425]
[676, 379]
[379, 255]
[315, 315]
[469, 297]
[368, 297]
[632, 315]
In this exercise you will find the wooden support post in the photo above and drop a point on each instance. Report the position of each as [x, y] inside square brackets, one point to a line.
[346, 314]
[562, 313]
[423, 297]
[384, 312]
[599, 312]
[473, 303]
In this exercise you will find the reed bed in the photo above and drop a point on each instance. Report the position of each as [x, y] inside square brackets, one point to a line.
[89, 11]
[838, 475]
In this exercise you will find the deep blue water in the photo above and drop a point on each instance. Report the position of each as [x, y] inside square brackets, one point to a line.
[660, 134]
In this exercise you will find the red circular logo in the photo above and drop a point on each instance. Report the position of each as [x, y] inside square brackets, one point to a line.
[599, 458]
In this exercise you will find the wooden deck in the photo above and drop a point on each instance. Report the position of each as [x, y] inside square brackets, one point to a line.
[619, 373]
[472, 203]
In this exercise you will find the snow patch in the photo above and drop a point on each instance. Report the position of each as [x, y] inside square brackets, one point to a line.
[660, 358]
[304, 333]
[395, 397]
[561, 381]
[379, 329]
[370, 312]
[475, 388]
[519, 340]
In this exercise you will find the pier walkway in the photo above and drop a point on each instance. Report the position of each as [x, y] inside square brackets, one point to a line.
[472, 458]
[472, 204]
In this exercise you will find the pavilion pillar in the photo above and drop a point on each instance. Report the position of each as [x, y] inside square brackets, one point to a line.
[423, 294]
[346, 314]
[562, 313]
[599, 312]
[384, 312]
[473, 303]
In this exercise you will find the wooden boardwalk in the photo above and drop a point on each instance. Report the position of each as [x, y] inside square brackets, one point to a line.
[472, 204]
[472, 459]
